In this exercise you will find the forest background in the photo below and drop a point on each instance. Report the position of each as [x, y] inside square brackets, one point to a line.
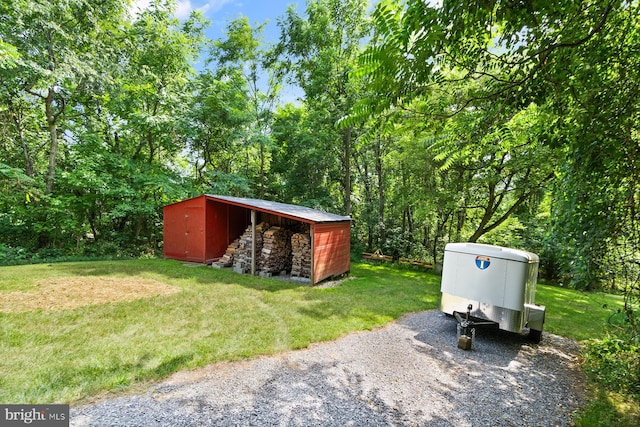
[511, 123]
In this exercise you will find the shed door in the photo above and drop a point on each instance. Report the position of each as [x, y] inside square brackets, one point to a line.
[194, 236]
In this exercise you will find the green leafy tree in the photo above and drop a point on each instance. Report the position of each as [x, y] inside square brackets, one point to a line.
[240, 59]
[215, 127]
[90, 108]
[557, 56]
[303, 171]
[502, 165]
[55, 48]
[9, 55]
[319, 52]
[129, 138]
[56, 44]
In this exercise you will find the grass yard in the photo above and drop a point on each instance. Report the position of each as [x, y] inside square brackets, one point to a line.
[57, 350]
[72, 331]
[574, 314]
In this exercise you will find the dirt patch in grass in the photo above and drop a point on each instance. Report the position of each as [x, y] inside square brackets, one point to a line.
[65, 293]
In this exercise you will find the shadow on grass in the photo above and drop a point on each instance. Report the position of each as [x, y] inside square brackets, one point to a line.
[168, 367]
[174, 270]
[375, 293]
[605, 410]
[227, 316]
[332, 386]
[575, 314]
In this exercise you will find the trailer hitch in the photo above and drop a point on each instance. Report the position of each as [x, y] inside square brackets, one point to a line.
[467, 328]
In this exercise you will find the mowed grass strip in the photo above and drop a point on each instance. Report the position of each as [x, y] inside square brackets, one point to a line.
[70, 355]
[579, 315]
[67, 355]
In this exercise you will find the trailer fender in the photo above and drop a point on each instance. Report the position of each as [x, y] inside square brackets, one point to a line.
[535, 320]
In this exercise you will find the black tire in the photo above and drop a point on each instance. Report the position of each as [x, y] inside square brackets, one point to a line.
[535, 336]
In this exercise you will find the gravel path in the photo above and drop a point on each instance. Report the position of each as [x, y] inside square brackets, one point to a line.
[408, 373]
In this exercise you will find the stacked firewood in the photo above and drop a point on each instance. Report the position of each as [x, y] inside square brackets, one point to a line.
[242, 254]
[227, 259]
[276, 250]
[301, 260]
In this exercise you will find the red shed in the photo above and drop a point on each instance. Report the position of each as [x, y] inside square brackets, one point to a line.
[201, 228]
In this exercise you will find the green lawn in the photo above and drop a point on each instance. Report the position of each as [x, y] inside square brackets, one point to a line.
[70, 355]
[574, 314]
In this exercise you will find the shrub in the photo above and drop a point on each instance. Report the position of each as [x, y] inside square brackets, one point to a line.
[12, 255]
[615, 364]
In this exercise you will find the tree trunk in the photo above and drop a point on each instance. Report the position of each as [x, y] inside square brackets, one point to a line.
[347, 171]
[368, 197]
[28, 162]
[53, 138]
[443, 218]
[410, 231]
[261, 168]
[151, 147]
[381, 194]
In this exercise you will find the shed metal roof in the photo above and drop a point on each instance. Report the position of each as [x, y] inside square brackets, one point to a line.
[293, 211]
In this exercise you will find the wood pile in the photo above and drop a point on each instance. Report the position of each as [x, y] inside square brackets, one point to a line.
[227, 259]
[301, 259]
[242, 253]
[276, 250]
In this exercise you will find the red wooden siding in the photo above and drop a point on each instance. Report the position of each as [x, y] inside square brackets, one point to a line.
[331, 249]
[225, 223]
[217, 230]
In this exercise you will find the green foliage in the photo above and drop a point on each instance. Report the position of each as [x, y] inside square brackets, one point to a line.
[9, 55]
[241, 61]
[109, 92]
[614, 363]
[214, 128]
[300, 144]
[608, 409]
[12, 255]
[319, 53]
[509, 123]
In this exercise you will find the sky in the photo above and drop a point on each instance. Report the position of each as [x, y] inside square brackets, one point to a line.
[220, 12]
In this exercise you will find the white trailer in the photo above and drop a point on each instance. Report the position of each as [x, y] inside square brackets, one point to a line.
[491, 284]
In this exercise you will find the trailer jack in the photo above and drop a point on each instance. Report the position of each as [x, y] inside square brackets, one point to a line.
[467, 328]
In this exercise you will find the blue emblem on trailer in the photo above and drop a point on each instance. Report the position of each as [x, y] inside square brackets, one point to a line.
[483, 262]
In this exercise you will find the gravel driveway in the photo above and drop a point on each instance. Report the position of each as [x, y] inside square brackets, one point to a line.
[408, 373]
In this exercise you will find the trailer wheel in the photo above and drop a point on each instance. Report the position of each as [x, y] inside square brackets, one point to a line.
[535, 336]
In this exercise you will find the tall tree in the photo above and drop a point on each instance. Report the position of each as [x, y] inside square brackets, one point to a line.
[215, 127]
[302, 170]
[241, 54]
[503, 164]
[130, 133]
[319, 52]
[56, 47]
[56, 44]
[91, 104]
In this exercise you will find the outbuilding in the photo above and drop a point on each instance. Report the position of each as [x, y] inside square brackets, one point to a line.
[202, 229]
